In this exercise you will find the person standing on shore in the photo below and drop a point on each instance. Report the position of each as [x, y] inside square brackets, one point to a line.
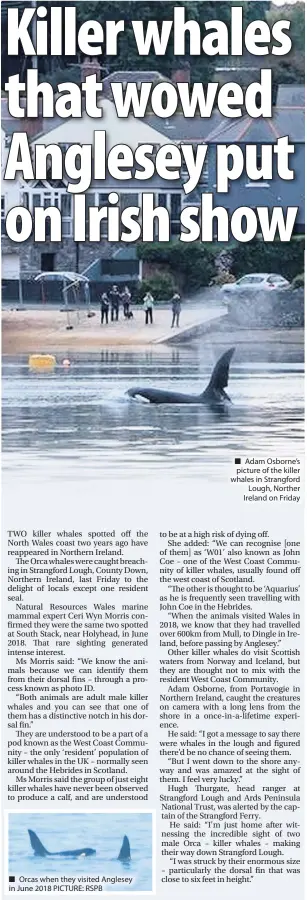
[126, 298]
[176, 309]
[104, 309]
[148, 304]
[114, 299]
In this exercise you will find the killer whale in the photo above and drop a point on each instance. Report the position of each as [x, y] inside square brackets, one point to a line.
[213, 393]
[124, 852]
[40, 850]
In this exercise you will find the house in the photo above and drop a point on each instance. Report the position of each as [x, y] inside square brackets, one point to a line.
[288, 119]
[10, 197]
[32, 126]
[79, 257]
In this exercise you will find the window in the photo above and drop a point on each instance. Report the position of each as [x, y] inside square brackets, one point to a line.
[193, 199]
[257, 184]
[276, 279]
[259, 156]
[126, 200]
[175, 210]
[65, 201]
[175, 206]
[204, 178]
[103, 200]
[44, 200]
[36, 200]
[3, 230]
[47, 262]
[47, 201]
[251, 279]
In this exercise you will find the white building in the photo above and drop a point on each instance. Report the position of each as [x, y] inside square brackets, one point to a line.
[10, 197]
[129, 131]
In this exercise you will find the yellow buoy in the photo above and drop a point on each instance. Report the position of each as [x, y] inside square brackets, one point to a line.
[41, 361]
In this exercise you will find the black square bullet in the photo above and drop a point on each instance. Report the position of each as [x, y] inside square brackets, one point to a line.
[237, 461]
[11, 878]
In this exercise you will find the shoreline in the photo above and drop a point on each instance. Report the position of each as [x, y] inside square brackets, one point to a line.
[32, 331]
[42, 331]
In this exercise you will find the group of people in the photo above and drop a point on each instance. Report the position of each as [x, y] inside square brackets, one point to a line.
[114, 299]
[148, 305]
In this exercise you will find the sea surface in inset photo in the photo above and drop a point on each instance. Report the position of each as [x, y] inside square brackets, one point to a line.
[77, 421]
[100, 831]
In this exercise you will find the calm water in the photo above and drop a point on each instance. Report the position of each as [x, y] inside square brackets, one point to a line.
[102, 832]
[80, 418]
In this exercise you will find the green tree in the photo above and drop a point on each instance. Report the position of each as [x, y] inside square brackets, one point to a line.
[256, 10]
[290, 69]
[128, 57]
[295, 13]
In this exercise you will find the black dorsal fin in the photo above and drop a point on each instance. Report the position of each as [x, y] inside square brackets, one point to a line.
[220, 374]
[124, 852]
[37, 845]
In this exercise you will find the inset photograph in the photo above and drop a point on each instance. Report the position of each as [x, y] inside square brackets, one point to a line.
[112, 850]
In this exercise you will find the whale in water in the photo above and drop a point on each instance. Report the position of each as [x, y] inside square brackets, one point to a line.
[124, 852]
[40, 850]
[213, 394]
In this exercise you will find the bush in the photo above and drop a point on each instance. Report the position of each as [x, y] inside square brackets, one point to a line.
[298, 281]
[195, 263]
[284, 258]
[161, 286]
[222, 278]
[192, 263]
[73, 74]
[159, 252]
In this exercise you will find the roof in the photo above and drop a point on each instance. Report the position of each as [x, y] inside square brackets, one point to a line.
[292, 95]
[130, 185]
[288, 119]
[178, 128]
[68, 276]
[32, 126]
[130, 131]
[135, 185]
[133, 76]
[285, 121]
[8, 123]
[257, 275]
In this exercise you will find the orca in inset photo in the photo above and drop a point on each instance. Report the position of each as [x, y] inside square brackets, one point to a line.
[40, 850]
[124, 852]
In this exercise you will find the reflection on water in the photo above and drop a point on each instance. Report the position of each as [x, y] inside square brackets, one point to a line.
[80, 419]
[102, 832]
